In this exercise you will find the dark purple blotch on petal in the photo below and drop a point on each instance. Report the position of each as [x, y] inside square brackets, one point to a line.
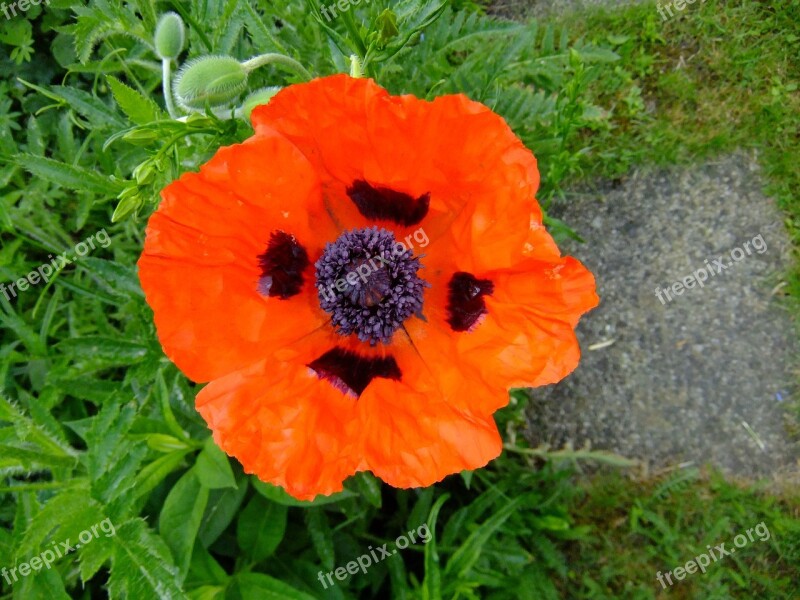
[351, 373]
[282, 266]
[465, 303]
[380, 203]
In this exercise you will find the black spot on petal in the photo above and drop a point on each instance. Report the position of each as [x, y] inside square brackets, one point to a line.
[465, 303]
[379, 203]
[282, 266]
[351, 373]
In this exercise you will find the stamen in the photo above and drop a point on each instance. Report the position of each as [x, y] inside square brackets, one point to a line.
[368, 283]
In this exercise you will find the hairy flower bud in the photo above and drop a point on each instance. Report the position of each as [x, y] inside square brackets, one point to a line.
[210, 80]
[170, 36]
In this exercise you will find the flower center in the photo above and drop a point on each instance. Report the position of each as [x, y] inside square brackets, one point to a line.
[368, 282]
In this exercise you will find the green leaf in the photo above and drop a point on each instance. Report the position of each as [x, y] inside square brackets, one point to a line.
[94, 556]
[369, 487]
[321, 536]
[261, 528]
[279, 495]
[222, 507]
[68, 176]
[42, 585]
[551, 523]
[63, 517]
[205, 570]
[468, 554]
[180, 519]
[142, 566]
[213, 469]
[432, 584]
[11, 456]
[255, 586]
[155, 472]
[106, 350]
[118, 279]
[139, 109]
[94, 109]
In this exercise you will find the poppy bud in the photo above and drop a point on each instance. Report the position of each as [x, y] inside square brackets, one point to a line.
[130, 201]
[210, 80]
[257, 98]
[170, 36]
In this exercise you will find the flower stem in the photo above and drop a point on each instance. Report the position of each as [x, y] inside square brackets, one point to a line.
[166, 84]
[278, 59]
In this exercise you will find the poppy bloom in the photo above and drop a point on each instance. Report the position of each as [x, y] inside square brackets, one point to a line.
[361, 281]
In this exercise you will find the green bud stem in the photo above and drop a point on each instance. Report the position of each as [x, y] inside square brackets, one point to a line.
[166, 84]
[280, 60]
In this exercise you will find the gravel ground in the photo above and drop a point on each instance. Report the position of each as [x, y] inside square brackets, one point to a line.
[705, 377]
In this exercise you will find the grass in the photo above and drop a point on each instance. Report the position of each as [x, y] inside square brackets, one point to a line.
[715, 78]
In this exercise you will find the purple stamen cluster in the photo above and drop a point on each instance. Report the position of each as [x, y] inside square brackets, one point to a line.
[367, 281]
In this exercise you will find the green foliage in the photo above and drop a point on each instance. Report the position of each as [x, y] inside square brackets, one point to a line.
[96, 425]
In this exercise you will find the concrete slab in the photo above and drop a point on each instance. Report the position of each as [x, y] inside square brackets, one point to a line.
[704, 376]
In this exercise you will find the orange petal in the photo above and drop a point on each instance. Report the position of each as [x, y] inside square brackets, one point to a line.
[200, 269]
[285, 426]
[414, 438]
[481, 179]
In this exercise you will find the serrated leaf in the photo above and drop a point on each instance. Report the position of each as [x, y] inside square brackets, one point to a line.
[94, 109]
[155, 472]
[261, 528]
[62, 518]
[68, 176]
[119, 279]
[42, 585]
[94, 556]
[142, 566]
[25, 457]
[104, 350]
[138, 108]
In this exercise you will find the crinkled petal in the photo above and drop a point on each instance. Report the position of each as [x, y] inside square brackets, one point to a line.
[285, 425]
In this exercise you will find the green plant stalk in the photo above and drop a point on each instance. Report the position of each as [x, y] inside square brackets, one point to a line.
[278, 59]
[166, 84]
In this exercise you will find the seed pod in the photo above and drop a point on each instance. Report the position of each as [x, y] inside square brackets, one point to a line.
[210, 80]
[170, 36]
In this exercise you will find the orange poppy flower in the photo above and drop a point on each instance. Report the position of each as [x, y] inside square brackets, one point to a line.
[361, 282]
